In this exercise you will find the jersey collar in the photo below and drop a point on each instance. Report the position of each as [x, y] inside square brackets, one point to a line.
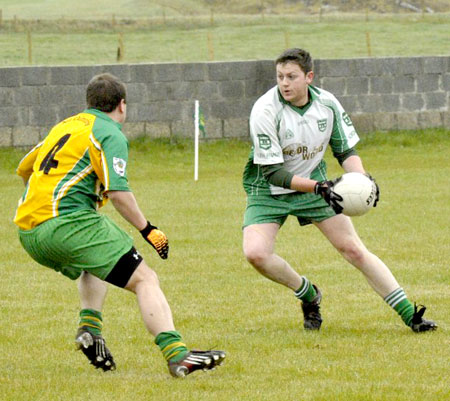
[103, 116]
[300, 110]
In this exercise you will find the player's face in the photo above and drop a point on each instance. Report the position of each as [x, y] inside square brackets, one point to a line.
[293, 83]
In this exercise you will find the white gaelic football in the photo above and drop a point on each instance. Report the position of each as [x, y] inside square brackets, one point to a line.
[358, 193]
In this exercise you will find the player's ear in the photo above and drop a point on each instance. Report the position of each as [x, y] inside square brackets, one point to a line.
[309, 76]
[122, 105]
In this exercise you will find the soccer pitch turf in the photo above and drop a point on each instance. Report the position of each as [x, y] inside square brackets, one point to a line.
[363, 351]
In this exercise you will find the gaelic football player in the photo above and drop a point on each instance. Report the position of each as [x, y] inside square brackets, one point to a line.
[291, 126]
[80, 165]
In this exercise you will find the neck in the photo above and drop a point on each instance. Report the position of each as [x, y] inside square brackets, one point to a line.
[302, 102]
[116, 116]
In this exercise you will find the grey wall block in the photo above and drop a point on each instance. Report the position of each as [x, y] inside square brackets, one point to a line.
[25, 136]
[11, 76]
[5, 136]
[378, 93]
[35, 76]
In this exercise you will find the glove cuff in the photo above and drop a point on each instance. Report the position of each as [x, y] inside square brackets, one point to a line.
[317, 187]
[146, 230]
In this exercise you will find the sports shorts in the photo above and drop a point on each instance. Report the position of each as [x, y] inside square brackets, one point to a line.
[76, 242]
[307, 207]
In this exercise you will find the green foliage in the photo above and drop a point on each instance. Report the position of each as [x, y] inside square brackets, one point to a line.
[363, 352]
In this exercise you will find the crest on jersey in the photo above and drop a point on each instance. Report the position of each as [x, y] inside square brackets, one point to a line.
[264, 141]
[322, 125]
[119, 166]
[289, 134]
[346, 119]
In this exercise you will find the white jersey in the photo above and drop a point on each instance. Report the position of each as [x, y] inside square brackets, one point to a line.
[296, 137]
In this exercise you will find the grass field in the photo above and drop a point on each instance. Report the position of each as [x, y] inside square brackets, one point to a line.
[200, 36]
[363, 352]
[51, 9]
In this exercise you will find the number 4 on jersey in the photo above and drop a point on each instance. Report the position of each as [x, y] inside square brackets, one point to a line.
[49, 161]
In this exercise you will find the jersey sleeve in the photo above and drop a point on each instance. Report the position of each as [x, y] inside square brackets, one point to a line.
[343, 136]
[25, 167]
[109, 158]
[264, 134]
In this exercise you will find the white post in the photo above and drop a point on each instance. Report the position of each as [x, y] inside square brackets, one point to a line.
[197, 134]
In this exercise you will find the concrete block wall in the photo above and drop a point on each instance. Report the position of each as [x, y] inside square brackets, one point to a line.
[378, 93]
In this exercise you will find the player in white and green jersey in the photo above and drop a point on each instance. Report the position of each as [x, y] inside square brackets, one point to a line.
[291, 126]
[79, 166]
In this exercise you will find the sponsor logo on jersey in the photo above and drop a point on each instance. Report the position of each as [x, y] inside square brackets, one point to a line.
[298, 150]
[119, 166]
[264, 141]
[322, 124]
[346, 119]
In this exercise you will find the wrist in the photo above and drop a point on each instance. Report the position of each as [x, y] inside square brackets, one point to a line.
[316, 187]
[146, 230]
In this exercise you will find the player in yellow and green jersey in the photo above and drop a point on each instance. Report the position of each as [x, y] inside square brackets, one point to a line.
[291, 126]
[81, 164]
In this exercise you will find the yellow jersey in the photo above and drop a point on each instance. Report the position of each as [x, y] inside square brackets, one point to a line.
[81, 158]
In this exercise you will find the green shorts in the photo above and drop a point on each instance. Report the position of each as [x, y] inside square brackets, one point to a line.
[77, 242]
[307, 207]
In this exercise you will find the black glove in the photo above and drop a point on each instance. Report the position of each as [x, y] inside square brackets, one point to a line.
[157, 239]
[325, 190]
[377, 194]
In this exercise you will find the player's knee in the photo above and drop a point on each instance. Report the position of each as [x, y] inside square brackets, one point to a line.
[143, 276]
[255, 256]
[354, 253]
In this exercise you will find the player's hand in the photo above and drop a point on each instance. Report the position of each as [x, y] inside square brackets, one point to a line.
[377, 194]
[157, 239]
[325, 189]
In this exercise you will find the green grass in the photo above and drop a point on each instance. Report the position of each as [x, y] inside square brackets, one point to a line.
[363, 352]
[85, 9]
[64, 42]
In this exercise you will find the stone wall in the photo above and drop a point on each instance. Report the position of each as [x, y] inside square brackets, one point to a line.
[378, 93]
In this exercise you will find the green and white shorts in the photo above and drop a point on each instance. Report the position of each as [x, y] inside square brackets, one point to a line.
[77, 242]
[307, 207]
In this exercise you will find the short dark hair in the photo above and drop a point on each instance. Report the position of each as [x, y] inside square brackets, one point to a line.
[104, 92]
[298, 56]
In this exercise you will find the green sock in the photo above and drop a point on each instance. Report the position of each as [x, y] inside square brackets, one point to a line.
[306, 292]
[171, 345]
[92, 320]
[400, 303]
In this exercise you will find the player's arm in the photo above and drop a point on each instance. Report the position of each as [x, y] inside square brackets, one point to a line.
[353, 164]
[277, 175]
[25, 167]
[125, 203]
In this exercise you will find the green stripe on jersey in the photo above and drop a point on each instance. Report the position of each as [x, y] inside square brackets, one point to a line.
[79, 181]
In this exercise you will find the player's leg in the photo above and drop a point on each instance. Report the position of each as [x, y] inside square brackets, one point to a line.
[158, 320]
[56, 244]
[258, 245]
[92, 291]
[153, 304]
[89, 337]
[340, 231]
